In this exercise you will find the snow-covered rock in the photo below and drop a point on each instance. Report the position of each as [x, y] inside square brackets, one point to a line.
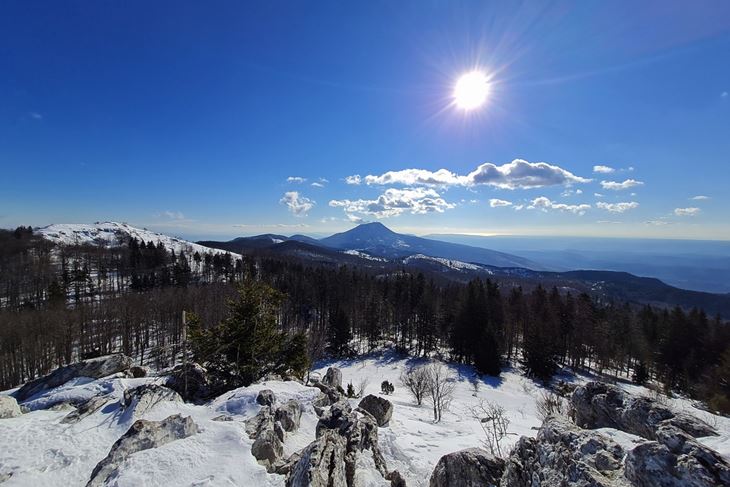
[267, 448]
[85, 409]
[565, 455]
[9, 407]
[599, 405]
[141, 399]
[472, 467]
[143, 435]
[94, 368]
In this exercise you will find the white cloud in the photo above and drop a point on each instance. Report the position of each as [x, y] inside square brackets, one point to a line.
[724, 94]
[296, 180]
[355, 179]
[686, 211]
[658, 223]
[513, 175]
[298, 205]
[494, 203]
[545, 204]
[616, 186]
[317, 185]
[394, 202]
[617, 207]
[603, 169]
[36, 116]
[171, 215]
[700, 197]
[598, 195]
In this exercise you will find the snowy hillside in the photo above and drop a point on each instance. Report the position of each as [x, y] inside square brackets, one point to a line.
[111, 234]
[451, 264]
[38, 449]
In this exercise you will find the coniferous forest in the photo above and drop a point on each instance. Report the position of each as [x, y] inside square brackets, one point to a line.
[60, 304]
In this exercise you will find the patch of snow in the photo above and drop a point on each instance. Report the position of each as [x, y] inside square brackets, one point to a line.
[363, 255]
[112, 234]
[452, 264]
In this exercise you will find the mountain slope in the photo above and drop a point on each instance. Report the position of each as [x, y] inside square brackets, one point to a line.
[379, 240]
[112, 234]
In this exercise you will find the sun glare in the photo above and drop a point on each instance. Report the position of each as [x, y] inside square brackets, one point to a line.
[471, 90]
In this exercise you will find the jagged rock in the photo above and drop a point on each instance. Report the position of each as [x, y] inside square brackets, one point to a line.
[472, 467]
[223, 418]
[321, 464]
[264, 420]
[289, 414]
[396, 479]
[565, 455]
[380, 408]
[190, 381]
[676, 459]
[266, 397]
[143, 435]
[267, 448]
[360, 431]
[143, 398]
[599, 405]
[62, 406]
[85, 409]
[9, 407]
[95, 368]
[333, 378]
[279, 430]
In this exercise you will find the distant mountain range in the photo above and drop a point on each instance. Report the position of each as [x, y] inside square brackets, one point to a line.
[375, 239]
[377, 249]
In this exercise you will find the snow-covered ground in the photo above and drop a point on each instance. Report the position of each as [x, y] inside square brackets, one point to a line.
[38, 450]
[111, 234]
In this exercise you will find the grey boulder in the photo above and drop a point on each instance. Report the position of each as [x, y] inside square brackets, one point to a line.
[381, 409]
[143, 435]
[472, 467]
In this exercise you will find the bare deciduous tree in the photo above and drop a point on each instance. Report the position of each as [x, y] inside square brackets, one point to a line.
[494, 422]
[415, 379]
[440, 388]
[550, 404]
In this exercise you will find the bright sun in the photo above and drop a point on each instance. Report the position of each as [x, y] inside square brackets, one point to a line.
[471, 90]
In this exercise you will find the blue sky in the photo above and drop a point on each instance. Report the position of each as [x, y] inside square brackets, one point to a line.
[190, 117]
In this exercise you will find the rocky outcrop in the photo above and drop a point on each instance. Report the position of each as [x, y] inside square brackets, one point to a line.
[333, 378]
[264, 420]
[289, 415]
[85, 409]
[472, 467]
[381, 409]
[675, 460]
[190, 381]
[321, 464]
[599, 405]
[266, 397]
[360, 431]
[141, 399]
[9, 407]
[95, 368]
[563, 454]
[143, 435]
[267, 448]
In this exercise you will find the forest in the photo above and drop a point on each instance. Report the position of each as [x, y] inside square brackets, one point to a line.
[59, 304]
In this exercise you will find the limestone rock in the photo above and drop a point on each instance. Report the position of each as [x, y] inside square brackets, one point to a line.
[9, 407]
[266, 397]
[333, 378]
[95, 368]
[380, 408]
[472, 467]
[289, 415]
[143, 435]
[599, 405]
